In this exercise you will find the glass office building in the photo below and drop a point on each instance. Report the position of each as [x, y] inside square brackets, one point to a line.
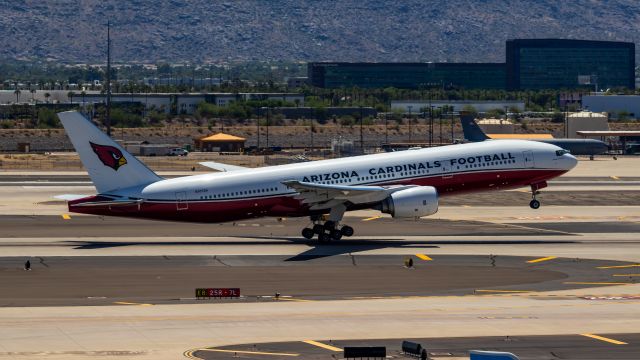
[408, 75]
[557, 64]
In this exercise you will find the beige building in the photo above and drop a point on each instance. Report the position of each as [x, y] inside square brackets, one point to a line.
[586, 120]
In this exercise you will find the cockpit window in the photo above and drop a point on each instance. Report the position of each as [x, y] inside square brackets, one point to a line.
[562, 152]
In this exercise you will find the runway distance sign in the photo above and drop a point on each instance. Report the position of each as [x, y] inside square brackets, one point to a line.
[217, 292]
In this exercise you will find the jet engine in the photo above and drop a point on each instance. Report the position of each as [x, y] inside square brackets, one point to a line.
[411, 203]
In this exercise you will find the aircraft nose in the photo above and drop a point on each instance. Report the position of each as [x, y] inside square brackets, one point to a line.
[569, 161]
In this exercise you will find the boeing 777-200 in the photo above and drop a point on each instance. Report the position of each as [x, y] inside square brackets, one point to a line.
[405, 184]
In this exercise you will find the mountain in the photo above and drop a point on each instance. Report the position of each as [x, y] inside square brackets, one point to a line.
[306, 30]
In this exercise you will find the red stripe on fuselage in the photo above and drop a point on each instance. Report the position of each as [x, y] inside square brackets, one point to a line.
[212, 211]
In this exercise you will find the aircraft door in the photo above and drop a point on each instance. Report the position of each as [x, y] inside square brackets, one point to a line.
[182, 203]
[529, 162]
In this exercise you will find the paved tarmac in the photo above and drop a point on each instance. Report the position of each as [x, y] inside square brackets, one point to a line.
[566, 269]
[73, 281]
[570, 347]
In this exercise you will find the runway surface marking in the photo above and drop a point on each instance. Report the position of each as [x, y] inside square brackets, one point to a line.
[595, 283]
[324, 346]
[66, 216]
[189, 354]
[248, 352]
[626, 275]
[372, 218]
[618, 266]
[424, 257]
[131, 303]
[541, 259]
[293, 299]
[503, 291]
[602, 338]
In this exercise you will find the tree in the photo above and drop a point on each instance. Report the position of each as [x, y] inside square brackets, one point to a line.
[46, 96]
[33, 94]
[17, 92]
[70, 94]
[470, 109]
[47, 118]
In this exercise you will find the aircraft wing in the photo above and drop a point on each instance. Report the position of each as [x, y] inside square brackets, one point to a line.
[70, 197]
[322, 196]
[222, 167]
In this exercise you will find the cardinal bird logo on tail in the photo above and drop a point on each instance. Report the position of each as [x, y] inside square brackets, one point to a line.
[109, 155]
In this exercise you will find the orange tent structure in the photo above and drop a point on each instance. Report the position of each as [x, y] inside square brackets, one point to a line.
[220, 142]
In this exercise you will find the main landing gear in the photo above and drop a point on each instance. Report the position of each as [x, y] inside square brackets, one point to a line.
[327, 231]
[330, 229]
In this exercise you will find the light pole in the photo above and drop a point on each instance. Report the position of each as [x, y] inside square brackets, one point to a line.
[258, 128]
[268, 111]
[108, 79]
[451, 115]
[410, 108]
[361, 132]
[440, 122]
[431, 125]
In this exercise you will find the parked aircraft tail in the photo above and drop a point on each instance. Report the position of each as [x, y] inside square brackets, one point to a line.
[472, 131]
[109, 165]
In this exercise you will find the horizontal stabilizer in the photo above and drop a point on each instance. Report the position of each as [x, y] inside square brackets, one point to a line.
[222, 167]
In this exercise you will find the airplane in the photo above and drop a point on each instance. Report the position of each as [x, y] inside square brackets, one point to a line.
[473, 132]
[405, 184]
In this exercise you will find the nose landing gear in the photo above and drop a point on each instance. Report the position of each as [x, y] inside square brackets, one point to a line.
[534, 203]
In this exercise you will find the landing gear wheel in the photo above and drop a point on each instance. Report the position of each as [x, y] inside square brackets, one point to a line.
[329, 225]
[323, 237]
[308, 233]
[336, 234]
[534, 204]
[347, 231]
[318, 229]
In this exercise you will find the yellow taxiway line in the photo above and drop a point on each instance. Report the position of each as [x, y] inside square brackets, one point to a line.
[630, 275]
[618, 266]
[66, 217]
[423, 257]
[293, 299]
[614, 177]
[595, 283]
[541, 259]
[131, 303]
[249, 352]
[372, 218]
[602, 338]
[324, 346]
[503, 291]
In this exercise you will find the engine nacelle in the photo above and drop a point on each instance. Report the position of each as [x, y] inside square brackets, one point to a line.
[411, 203]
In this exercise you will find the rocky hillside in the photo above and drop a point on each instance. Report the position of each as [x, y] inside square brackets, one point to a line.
[308, 30]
